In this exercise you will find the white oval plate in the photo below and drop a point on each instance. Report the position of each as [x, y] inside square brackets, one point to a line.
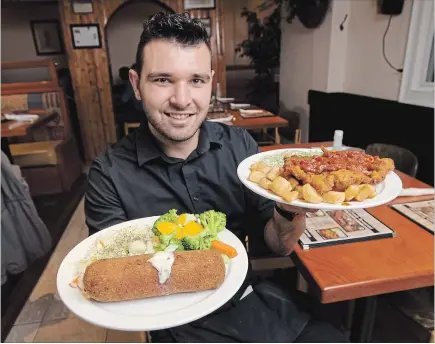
[222, 120]
[388, 190]
[151, 313]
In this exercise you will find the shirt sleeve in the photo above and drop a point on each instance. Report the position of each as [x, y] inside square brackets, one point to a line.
[259, 210]
[103, 206]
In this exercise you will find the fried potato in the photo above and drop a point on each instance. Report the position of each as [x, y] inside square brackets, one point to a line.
[371, 188]
[334, 197]
[366, 191]
[280, 186]
[298, 188]
[293, 181]
[273, 173]
[266, 169]
[256, 176]
[258, 166]
[310, 194]
[351, 192]
[290, 196]
[265, 183]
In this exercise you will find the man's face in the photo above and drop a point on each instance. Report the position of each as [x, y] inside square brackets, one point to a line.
[175, 87]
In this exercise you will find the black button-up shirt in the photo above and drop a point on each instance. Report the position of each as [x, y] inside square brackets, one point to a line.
[134, 178]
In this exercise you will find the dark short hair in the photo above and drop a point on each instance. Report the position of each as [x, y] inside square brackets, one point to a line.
[174, 27]
[123, 73]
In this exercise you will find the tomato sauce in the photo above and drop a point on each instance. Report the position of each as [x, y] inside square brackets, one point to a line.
[334, 161]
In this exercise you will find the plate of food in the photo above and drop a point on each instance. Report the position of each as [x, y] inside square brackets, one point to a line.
[153, 273]
[319, 178]
[220, 117]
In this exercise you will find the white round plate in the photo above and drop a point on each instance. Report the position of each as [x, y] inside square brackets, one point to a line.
[386, 191]
[222, 120]
[151, 313]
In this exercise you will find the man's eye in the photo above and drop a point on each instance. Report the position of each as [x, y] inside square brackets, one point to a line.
[197, 81]
[162, 80]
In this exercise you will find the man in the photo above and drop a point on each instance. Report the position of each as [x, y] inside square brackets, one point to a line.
[177, 160]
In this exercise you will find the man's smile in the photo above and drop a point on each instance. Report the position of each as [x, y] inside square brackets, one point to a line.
[179, 116]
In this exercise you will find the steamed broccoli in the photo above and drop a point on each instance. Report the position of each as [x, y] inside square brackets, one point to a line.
[198, 242]
[165, 239]
[207, 240]
[215, 221]
[170, 216]
[178, 243]
[191, 243]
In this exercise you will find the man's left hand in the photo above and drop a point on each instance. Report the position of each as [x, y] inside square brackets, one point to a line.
[296, 210]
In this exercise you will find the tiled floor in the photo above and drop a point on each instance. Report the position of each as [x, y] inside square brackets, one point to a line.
[18, 288]
[45, 318]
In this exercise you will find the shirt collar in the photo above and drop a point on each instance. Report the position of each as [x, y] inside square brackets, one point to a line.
[147, 147]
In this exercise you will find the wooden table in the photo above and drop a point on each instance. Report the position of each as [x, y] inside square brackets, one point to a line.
[17, 128]
[365, 269]
[274, 122]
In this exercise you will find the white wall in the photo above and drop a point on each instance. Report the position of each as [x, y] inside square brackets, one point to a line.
[16, 36]
[123, 31]
[304, 65]
[350, 60]
[367, 73]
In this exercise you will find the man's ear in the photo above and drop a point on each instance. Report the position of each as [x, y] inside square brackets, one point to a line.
[135, 82]
[212, 74]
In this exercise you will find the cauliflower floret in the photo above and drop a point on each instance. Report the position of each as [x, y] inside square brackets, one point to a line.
[137, 247]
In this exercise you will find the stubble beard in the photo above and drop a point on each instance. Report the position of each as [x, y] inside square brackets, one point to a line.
[164, 133]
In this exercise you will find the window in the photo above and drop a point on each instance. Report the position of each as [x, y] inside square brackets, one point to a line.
[418, 75]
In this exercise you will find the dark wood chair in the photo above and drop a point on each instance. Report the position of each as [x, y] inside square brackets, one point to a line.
[404, 159]
[292, 132]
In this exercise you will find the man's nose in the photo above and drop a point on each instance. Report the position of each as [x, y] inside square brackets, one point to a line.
[181, 97]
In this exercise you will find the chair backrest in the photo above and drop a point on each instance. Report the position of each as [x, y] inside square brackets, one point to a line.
[294, 123]
[37, 95]
[404, 160]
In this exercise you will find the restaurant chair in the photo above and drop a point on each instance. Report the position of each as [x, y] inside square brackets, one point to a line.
[130, 126]
[262, 259]
[404, 160]
[411, 310]
[292, 132]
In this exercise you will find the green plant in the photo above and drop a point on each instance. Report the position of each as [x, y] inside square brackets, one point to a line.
[263, 48]
[263, 45]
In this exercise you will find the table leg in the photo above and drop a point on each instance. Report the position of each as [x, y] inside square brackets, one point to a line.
[277, 137]
[363, 320]
[6, 149]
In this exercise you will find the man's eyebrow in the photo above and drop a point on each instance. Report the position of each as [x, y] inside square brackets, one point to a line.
[202, 76]
[159, 75]
[168, 75]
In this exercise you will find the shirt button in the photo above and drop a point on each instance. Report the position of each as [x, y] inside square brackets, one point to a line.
[196, 199]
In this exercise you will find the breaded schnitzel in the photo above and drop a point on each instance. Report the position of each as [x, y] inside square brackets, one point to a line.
[337, 170]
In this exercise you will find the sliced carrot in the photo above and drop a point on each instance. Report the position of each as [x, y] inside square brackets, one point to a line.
[224, 248]
[74, 283]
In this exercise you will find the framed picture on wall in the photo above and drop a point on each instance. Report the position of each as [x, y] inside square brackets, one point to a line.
[47, 37]
[207, 24]
[199, 4]
[82, 6]
[85, 36]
